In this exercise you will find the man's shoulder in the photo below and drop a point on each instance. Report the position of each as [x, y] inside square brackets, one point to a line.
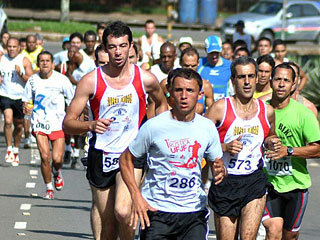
[225, 62]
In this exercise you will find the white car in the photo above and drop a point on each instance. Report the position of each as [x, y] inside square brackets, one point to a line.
[264, 19]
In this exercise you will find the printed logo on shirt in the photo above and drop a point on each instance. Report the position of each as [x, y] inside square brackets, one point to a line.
[183, 145]
[241, 130]
[117, 100]
[214, 72]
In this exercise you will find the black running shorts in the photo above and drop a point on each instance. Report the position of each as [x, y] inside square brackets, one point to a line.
[290, 206]
[15, 105]
[97, 177]
[236, 191]
[164, 225]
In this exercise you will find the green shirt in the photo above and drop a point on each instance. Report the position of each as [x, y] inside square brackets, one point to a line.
[295, 126]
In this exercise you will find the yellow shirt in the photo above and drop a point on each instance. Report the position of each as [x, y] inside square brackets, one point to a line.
[260, 94]
[32, 56]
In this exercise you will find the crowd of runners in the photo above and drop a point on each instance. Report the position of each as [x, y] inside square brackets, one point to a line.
[153, 118]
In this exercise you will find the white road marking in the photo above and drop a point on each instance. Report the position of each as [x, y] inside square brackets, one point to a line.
[26, 213]
[34, 194]
[25, 206]
[21, 234]
[20, 225]
[212, 237]
[33, 172]
[30, 185]
[313, 164]
[32, 162]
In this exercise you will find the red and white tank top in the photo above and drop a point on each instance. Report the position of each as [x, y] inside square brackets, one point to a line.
[253, 132]
[127, 106]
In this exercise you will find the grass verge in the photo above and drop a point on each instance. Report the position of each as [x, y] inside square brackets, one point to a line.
[54, 27]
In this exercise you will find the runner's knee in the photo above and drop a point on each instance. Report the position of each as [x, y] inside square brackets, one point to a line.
[122, 212]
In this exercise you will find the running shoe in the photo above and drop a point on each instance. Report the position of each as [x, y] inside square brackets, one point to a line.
[48, 195]
[9, 157]
[16, 161]
[67, 157]
[58, 182]
[27, 143]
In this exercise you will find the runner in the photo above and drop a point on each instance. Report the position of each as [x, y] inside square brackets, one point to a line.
[214, 68]
[244, 125]
[299, 132]
[150, 42]
[90, 40]
[47, 89]
[118, 113]
[265, 66]
[264, 46]
[173, 203]
[32, 51]
[227, 51]
[15, 70]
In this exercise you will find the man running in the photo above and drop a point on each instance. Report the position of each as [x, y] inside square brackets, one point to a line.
[298, 129]
[172, 204]
[47, 89]
[117, 93]
[15, 70]
[244, 125]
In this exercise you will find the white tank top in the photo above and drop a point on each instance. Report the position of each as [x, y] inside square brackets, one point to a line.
[253, 132]
[154, 48]
[126, 106]
[12, 84]
[156, 70]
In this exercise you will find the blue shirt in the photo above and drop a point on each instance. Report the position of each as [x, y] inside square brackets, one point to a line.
[218, 76]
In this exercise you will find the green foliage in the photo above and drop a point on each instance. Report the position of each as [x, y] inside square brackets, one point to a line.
[55, 27]
[311, 66]
[50, 26]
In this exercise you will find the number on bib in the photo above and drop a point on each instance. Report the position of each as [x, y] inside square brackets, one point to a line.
[280, 167]
[239, 164]
[110, 161]
[182, 186]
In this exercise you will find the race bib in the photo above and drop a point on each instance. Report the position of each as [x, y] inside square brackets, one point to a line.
[281, 167]
[110, 161]
[43, 126]
[182, 185]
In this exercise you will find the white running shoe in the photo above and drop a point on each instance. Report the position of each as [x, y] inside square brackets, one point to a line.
[16, 160]
[9, 157]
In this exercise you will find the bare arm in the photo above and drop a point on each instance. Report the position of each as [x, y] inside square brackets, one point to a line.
[28, 69]
[272, 142]
[303, 80]
[208, 92]
[139, 204]
[71, 123]
[154, 90]
[215, 114]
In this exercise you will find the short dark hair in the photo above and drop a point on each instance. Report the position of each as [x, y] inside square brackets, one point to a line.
[89, 33]
[284, 65]
[190, 51]
[44, 53]
[101, 25]
[149, 21]
[266, 58]
[265, 39]
[238, 43]
[23, 39]
[297, 67]
[135, 48]
[186, 73]
[242, 49]
[116, 29]
[279, 42]
[98, 49]
[228, 42]
[242, 61]
[76, 34]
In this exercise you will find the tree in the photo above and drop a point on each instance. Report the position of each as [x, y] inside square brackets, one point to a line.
[65, 9]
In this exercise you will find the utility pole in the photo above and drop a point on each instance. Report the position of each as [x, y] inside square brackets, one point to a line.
[65, 9]
[284, 16]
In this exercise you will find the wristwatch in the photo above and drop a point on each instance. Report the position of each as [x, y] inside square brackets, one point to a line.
[290, 151]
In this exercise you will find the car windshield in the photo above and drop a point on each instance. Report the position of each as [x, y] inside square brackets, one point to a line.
[267, 8]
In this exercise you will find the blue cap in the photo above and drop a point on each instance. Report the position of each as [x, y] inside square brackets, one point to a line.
[213, 44]
[66, 39]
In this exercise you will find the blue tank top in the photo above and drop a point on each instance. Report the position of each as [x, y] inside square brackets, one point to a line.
[218, 76]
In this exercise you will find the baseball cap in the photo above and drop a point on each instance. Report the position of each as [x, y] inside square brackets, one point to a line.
[66, 39]
[185, 40]
[213, 44]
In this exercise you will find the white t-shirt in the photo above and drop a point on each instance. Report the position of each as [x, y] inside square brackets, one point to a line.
[48, 97]
[12, 85]
[176, 148]
[60, 57]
